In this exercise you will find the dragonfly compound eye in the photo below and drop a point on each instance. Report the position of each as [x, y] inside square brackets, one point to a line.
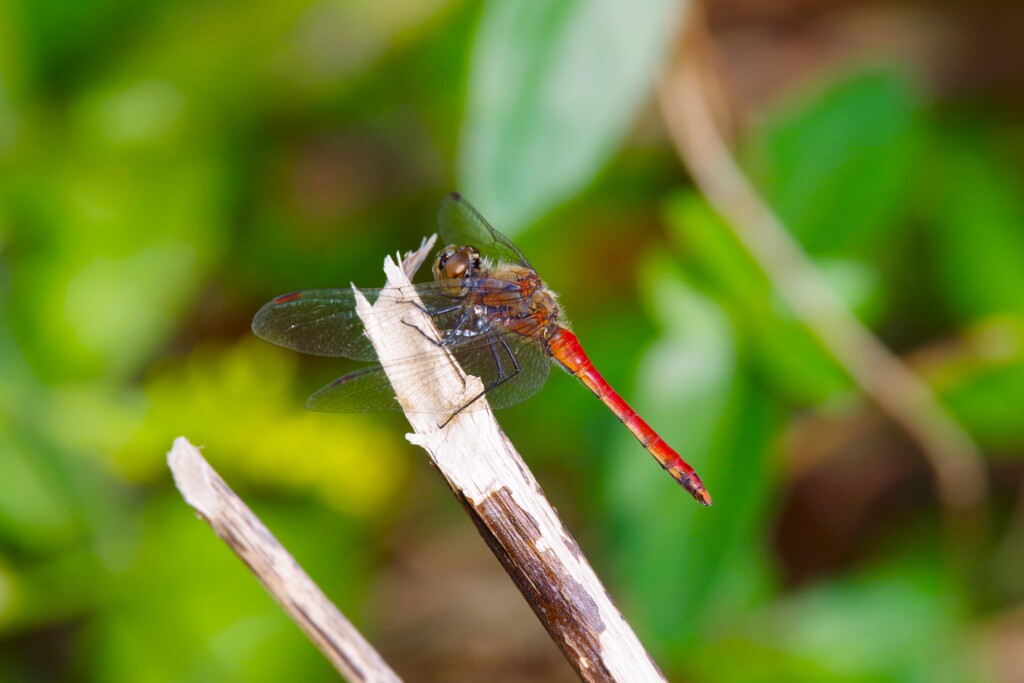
[457, 264]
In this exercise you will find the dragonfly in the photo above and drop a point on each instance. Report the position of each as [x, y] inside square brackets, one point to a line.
[493, 313]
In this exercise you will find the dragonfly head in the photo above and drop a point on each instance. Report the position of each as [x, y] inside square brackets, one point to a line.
[455, 264]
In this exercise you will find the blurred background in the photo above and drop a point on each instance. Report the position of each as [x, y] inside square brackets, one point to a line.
[167, 167]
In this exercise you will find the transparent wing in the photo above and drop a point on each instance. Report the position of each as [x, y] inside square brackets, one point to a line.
[534, 366]
[324, 322]
[462, 225]
[321, 322]
[362, 391]
[493, 357]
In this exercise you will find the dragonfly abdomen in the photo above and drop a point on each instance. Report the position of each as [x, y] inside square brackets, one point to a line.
[567, 351]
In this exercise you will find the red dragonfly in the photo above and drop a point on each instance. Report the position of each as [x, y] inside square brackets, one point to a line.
[492, 312]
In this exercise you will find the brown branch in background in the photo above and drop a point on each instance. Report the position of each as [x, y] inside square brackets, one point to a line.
[501, 496]
[280, 574]
[954, 458]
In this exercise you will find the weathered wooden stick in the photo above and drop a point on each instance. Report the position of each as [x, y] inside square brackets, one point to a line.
[501, 496]
[237, 526]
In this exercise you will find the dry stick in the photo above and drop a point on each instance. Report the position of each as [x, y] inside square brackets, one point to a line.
[500, 494]
[237, 526]
[954, 458]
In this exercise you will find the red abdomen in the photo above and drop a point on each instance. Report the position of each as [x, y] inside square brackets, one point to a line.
[565, 348]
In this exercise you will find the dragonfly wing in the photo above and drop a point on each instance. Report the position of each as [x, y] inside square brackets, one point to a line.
[321, 322]
[360, 391]
[462, 225]
[324, 322]
[488, 356]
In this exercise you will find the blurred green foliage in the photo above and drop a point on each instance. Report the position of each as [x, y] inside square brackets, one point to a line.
[167, 167]
[525, 145]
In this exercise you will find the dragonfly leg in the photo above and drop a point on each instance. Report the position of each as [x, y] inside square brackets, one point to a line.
[420, 330]
[498, 381]
[448, 337]
[437, 311]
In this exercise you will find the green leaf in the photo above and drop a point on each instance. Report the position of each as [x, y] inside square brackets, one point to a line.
[781, 346]
[978, 213]
[988, 404]
[11, 82]
[679, 559]
[896, 622]
[121, 248]
[179, 579]
[240, 403]
[553, 87]
[836, 164]
[982, 382]
[33, 509]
